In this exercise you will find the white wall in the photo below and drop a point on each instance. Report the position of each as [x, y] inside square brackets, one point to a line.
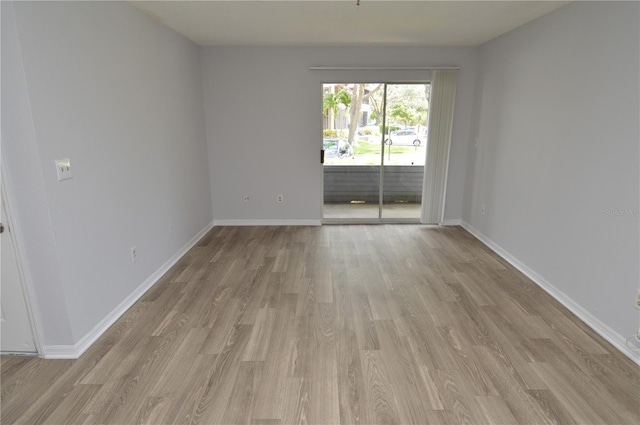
[559, 149]
[263, 110]
[21, 166]
[121, 96]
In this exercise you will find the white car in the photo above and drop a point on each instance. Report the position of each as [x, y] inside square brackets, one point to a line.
[406, 137]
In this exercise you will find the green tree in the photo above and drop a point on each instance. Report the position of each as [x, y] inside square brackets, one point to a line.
[413, 97]
[344, 97]
[404, 114]
[331, 103]
[330, 108]
[359, 97]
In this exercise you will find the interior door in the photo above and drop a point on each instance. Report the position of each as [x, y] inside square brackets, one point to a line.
[15, 328]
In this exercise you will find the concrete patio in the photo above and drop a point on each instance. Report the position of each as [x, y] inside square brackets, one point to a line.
[369, 211]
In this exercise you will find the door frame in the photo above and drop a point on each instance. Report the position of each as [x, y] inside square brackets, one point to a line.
[25, 284]
[379, 219]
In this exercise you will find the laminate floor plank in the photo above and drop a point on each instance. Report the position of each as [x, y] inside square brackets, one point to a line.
[469, 366]
[23, 375]
[590, 390]
[461, 406]
[396, 353]
[410, 406]
[296, 401]
[181, 406]
[221, 328]
[508, 384]
[349, 324]
[221, 382]
[271, 382]
[240, 403]
[351, 390]
[617, 382]
[363, 323]
[380, 404]
[551, 407]
[70, 409]
[432, 394]
[151, 410]
[563, 391]
[496, 410]
[251, 294]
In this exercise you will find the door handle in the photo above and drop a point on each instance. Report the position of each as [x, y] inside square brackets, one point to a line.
[1, 228]
[322, 156]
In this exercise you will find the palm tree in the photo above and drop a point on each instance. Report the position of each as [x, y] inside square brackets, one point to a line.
[344, 98]
[331, 104]
[330, 108]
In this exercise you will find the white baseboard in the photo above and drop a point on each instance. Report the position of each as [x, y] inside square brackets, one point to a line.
[453, 222]
[617, 340]
[61, 352]
[267, 223]
[76, 350]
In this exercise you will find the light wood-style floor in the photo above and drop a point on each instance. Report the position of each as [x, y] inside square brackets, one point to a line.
[379, 324]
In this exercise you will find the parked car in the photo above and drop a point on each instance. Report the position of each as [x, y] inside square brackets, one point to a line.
[337, 148]
[406, 137]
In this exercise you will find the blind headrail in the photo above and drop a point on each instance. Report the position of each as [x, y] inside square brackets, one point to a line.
[380, 68]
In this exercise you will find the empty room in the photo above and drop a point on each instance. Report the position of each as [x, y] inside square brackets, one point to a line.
[320, 212]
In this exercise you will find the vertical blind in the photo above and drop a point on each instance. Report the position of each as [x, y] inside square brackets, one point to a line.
[443, 93]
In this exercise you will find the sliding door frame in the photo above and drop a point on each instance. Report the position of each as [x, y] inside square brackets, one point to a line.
[379, 219]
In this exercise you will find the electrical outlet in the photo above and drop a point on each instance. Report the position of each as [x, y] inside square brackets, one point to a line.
[280, 199]
[63, 169]
[245, 198]
[483, 209]
[134, 254]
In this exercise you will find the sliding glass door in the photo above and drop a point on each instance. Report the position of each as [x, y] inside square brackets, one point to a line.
[374, 143]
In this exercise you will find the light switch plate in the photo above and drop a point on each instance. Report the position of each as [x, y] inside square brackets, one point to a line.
[63, 168]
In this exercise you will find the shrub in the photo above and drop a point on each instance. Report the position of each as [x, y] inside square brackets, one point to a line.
[390, 128]
[329, 134]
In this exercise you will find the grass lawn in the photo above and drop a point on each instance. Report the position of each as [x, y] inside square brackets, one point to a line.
[369, 148]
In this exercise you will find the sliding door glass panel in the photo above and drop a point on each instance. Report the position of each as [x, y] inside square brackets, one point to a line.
[352, 143]
[405, 150]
